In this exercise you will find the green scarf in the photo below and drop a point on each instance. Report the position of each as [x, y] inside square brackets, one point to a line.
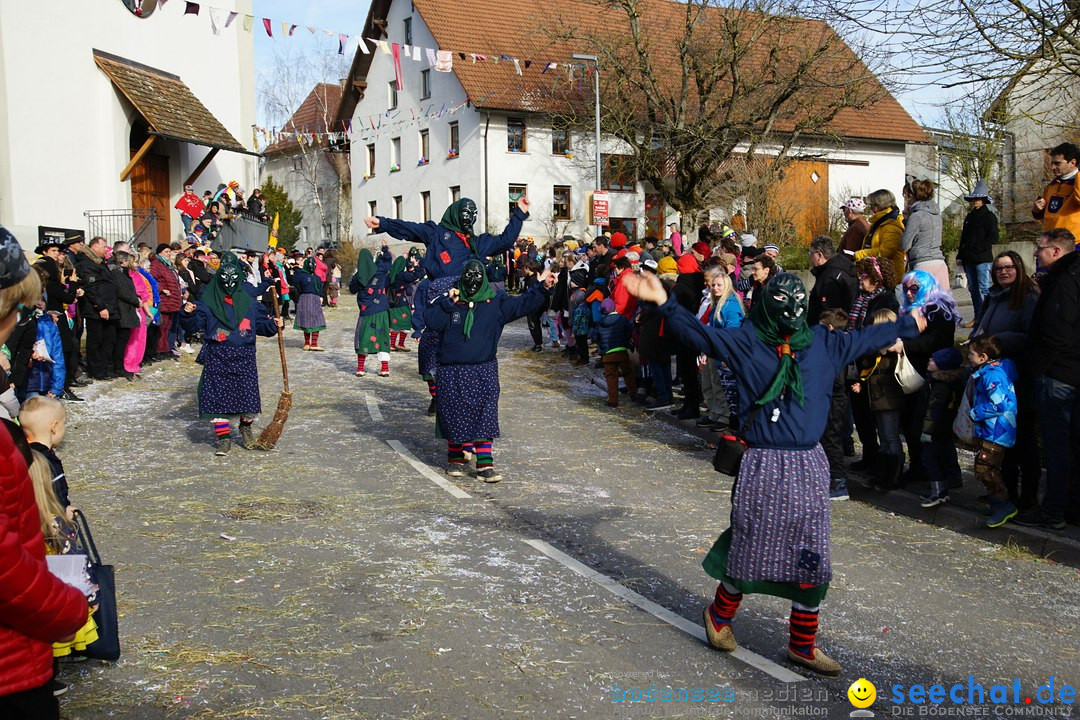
[213, 295]
[168, 263]
[365, 267]
[397, 267]
[788, 374]
[483, 294]
[451, 220]
[309, 268]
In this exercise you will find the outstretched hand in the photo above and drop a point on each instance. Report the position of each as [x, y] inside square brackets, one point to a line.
[645, 286]
[547, 279]
[372, 222]
[523, 204]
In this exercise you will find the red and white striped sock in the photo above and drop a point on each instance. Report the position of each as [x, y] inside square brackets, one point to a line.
[360, 359]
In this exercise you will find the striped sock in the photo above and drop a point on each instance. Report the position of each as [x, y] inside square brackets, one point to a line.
[454, 453]
[398, 340]
[724, 606]
[804, 626]
[360, 363]
[221, 427]
[430, 383]
[483, 454]
[468, 447]
[314, 339]
[384, 366]
[307, 339]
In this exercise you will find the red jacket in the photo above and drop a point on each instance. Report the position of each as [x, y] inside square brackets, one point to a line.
[36, 609]
[167, 279]
[625, 303]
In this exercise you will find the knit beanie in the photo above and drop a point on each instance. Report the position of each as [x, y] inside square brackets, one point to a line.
[618, 240]
[948, 359]
[607, 306]
[667, 265]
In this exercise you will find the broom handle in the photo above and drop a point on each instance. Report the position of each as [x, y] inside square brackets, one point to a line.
[280, 339]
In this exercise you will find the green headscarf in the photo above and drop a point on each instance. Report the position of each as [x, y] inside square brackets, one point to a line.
[365, 267]
[451, 219]
[396, 267]
[483, 294]
[213, 296]
[781, 324]
[309, 268]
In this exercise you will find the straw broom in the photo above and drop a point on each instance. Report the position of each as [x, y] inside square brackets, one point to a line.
[272, 433]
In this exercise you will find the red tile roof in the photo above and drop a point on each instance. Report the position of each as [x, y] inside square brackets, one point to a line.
[314, 115]
[488, 27]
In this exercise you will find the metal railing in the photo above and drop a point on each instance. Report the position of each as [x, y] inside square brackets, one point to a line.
[243, 232]
[130, 226]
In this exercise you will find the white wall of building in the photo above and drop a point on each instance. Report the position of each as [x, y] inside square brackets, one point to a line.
[298, 185]
[65, 129]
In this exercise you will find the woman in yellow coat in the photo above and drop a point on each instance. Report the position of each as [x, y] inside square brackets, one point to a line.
[886, 230]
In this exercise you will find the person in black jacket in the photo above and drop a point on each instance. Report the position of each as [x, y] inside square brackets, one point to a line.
[128, 303]
[834, 279]
[58, 295]
[976, 252]
[689, 289]
[99, 308]
[1054, 360]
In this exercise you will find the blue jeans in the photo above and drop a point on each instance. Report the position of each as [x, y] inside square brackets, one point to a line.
[888, 427]
[1059, 416]
[978, 277]
[661, 373]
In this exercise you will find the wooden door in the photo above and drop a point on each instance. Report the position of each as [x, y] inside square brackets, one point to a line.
[150, 190]
[655, 213]
[802, 197]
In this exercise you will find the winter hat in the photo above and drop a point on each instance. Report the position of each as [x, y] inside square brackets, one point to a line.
[727, 258]
[772, 246]
[981, 192]
[651, 264]
[618, 240]
[162, 247]
[688, 264]
[607, 306]
[747, 240]
[13, 264]
[667, 266]
[701, 248]
[729, 234]
[948, 359]
[855, 205]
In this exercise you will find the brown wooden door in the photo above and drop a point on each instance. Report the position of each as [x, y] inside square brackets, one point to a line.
[655, 212]
[804, 196]
[150, 190]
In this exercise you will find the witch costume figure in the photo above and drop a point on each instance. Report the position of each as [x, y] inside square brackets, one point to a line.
[470, 318]
[450, 243]
[229, 317]
[369, 284]
[778, 540]
[309, 313]
[402, 276]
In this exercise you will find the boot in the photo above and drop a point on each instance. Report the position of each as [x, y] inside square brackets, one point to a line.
[888, 474]
[222, 446]
[247, 437]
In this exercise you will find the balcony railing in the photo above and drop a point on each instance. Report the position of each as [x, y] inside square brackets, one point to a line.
[130, 226]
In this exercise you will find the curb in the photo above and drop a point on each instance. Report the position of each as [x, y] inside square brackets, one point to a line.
[1059, 547]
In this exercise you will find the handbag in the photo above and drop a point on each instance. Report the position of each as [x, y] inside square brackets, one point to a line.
[107, 646]
[960, 280]
[963, 426]
[730, 447]
[906, 375]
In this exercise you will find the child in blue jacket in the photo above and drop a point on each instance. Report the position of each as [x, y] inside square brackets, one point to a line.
[614, 346]
[47, 367]
[993, 410]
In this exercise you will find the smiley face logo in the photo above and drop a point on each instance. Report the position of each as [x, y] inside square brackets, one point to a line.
[862, 693]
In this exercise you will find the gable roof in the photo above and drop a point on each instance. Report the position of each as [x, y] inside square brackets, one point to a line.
[483, 26]
[318, 110]
[168, 105]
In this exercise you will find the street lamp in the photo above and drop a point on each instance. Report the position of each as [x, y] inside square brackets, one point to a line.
[596, 64]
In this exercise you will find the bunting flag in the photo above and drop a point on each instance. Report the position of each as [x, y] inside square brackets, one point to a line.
[312, 29]
[215, 20]
[191, 9]
[266, 25]
[431, 57]
[444, 61]
[517, 65]
[384, 46]
[274, 230]
[284, 29]
[249, 22]
[232, 16]
[362, 44]
[416, 53]
[343, 40]
[397, 65]
[292, 29]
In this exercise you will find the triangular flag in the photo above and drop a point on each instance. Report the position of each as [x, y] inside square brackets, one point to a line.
[528, 64]
[517, 65]
[284, 29]
[343, 40]
[191, 8]
[249, 22]
[384, 46]
[397, 65]
[406, 50]
[329, 33]
[266, 25]
[216, 17]
[162, 2]
[431, 56]
[292, 29]
[416, 54]
[362, 44]
[462, 55]
[312, 29]
[549, 66]
[232, 16]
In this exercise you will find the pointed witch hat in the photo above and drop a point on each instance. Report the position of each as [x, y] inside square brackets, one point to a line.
[981, 192]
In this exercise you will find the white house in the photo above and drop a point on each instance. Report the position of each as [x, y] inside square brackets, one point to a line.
[312, 173]
[105, 114]
[471, 132]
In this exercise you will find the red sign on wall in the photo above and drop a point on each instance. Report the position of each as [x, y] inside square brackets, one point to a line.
[600, 208]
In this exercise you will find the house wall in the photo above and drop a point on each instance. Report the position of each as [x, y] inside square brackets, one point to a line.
[65, 129]
[297, 183]
[486, 169]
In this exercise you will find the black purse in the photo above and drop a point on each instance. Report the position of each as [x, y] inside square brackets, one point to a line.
[730, 447]
[107, 646]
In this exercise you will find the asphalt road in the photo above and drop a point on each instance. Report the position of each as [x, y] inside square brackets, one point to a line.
[335, 578]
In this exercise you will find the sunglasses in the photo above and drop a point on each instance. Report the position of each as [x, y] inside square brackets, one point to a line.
[911, 288]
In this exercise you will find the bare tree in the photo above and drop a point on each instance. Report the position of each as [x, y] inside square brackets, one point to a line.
[687, 88]
[295, 77]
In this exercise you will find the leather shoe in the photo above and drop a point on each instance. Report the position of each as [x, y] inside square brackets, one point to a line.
[71, 397]
[81, 382]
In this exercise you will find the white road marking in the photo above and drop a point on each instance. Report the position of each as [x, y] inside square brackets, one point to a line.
[427, 472]
[373, 407]
[751, 658]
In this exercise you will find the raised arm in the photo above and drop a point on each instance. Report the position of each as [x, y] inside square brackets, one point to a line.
[845, 348]
[403, 230]
[487, 245]
[513, 308]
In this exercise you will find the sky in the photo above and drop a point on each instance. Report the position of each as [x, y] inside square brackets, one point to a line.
[347, 16]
